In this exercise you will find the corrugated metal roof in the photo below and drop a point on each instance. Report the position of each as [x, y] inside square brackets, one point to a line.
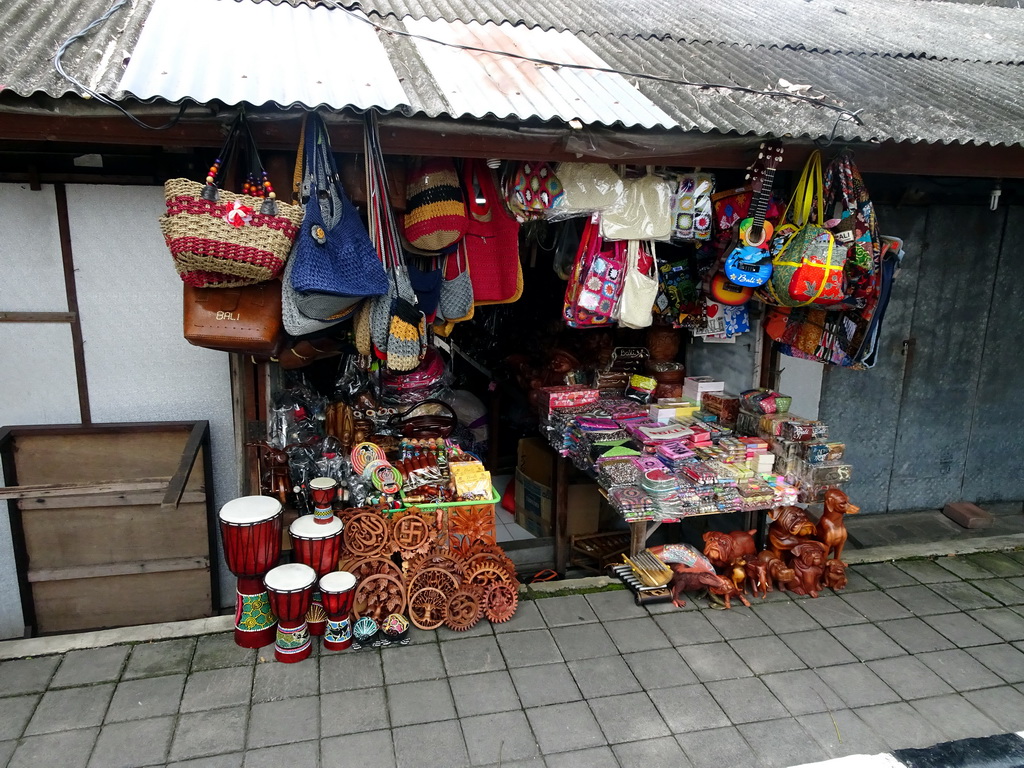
[891, 27]
[208, 50]
[901, 99]
[173, 58]
[480, 84]
[34, 30]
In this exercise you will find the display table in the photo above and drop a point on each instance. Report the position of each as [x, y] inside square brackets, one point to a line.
[640, 530]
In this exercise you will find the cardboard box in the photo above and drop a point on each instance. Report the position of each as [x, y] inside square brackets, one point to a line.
[535, 500]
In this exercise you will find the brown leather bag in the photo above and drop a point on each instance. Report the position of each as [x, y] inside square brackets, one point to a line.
[441, 423]
[246, 320]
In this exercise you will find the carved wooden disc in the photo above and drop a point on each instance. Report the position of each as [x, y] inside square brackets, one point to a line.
[438, 578]
[411, 534]
[366, 534]
[428, 608]
[464, 610]
[364, 567]
[483, 574]
[378, 596]
[501, 602]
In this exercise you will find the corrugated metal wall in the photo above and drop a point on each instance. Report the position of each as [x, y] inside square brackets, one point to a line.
[935, 421]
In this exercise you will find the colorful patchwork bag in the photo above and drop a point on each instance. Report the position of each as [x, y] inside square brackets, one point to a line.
[807, 268]
[533, 190]
[595, 284]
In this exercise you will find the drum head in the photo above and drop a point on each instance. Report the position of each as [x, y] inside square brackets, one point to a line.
[337, 581]
[306, 527]
[323, 483]
[293, 577]
[249, 510]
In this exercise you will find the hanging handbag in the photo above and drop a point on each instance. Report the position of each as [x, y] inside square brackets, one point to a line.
[335, 263]
[421, 425]
[635, 308]
[644, 212]
[595, 284]
[397, 326]
[245, 319]
[491, 244]
[456, 301]
[588, 187]
[691, 206]
[533, 191]
[806, 266]
[219, 239]
[436, 215]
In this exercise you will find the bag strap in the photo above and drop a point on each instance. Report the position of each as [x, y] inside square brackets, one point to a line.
[807, 191]
[383, 227]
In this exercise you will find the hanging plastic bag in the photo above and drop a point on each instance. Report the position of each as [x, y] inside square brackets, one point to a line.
[588, 187]
[644, 212]
[596, 280]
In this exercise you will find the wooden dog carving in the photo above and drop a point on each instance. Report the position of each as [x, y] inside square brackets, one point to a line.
[791, 527]
[722, 548]
[808, 566]
[831, 528]
[835, 574]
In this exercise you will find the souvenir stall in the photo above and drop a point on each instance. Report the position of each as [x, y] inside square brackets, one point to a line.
[379, 480]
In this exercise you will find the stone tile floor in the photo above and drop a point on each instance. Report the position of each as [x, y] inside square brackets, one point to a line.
[912, 653]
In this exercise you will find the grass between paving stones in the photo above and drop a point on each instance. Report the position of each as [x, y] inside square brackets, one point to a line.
[532, 594]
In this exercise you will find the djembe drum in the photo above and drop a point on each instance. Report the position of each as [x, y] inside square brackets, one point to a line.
[323, 490]
[250, 528]
[316, 544]
[338, 593]
[290, 589]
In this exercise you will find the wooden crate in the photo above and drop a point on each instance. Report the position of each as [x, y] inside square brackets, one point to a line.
[112, 523]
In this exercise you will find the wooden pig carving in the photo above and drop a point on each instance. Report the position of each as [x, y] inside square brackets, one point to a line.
[831, 528]
[722, 548]
[835, 574]
[808, 567]
[790, 527]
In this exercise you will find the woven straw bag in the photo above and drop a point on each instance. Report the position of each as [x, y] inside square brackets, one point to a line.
[220, 239]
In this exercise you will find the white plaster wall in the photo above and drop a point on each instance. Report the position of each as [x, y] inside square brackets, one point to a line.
[139, 366]
[37, 368]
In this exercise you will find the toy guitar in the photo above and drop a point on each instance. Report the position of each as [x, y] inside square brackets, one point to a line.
[749, 263]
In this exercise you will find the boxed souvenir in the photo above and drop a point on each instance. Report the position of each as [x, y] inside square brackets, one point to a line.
[726, 407]
[823, 451]
[695, 386]
[804, 429]
[832, 473]
[553, 398]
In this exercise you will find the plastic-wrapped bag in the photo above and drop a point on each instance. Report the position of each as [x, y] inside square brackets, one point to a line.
[635, 308]
[588, 187]
[644, 212]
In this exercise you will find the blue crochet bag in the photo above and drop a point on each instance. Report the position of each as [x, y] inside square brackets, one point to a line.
[334, 262]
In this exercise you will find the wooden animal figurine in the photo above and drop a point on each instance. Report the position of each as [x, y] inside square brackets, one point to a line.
[737, 572]
[757, 577]
[835, 574]
[778, 571]
[685, 579]
[790, 527]
[808, 567]
[722, 548]
[831, 528]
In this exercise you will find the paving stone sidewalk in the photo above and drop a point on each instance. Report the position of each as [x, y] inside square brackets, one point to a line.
[911, 654]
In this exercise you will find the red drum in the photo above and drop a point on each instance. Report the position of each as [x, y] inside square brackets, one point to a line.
[323, 490]
[290, 588]
[338, 593]
[317, 545]
[250, 528]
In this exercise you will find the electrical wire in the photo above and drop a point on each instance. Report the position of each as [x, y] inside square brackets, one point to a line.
[668, 79]
[844, 114]
[58, 64]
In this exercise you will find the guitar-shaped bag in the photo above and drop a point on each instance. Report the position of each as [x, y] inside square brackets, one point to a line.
[750, 264]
